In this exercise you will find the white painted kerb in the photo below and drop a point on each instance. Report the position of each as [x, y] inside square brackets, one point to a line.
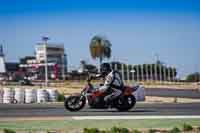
[133, 117]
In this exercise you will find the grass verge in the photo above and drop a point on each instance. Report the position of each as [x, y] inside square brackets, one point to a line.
[101, 124]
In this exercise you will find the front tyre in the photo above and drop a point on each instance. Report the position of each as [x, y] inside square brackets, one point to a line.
[75, 103]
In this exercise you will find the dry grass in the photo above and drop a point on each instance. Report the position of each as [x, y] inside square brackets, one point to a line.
[69, 87]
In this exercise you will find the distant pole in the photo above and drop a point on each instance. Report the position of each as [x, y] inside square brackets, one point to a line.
[169, 73]
[164, 71]
[157, 77]
[142, 72]
[155, 72]
[122, 67]
[160, 69]
[133, 77]
[137, 70]
[45, 39]
[128, 72]
[173, 74]
[151, 72]
[147, 72]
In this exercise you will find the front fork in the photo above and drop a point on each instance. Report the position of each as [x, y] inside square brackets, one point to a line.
[82, 96]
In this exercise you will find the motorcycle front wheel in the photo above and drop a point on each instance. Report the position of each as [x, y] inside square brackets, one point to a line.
[75, 103]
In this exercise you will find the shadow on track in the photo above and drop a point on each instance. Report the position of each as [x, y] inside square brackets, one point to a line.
[115, 111]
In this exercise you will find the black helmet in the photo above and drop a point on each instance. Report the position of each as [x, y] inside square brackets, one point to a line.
[105, 68]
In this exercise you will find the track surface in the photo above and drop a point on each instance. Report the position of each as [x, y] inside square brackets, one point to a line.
[172, 92]
[141, 109]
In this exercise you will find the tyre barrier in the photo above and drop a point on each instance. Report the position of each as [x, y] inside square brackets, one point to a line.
[20, 95]
[42, 96]
[1, 96]
[8, 95]
[52, 95]
[30, 96]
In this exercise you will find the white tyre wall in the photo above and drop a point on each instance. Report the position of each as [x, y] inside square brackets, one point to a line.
[42, 96]
[52, 95]
[8, 95]
[30, 96]
[1, 96]
[19, 95]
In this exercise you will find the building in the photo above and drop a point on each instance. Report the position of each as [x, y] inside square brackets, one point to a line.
[8, 70]
[2, 61]
[54, 52]
[28, 60]
[34, 66]
[85, 67]
[56, 58]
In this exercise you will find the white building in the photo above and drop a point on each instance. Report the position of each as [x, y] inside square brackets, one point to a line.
[55, 54]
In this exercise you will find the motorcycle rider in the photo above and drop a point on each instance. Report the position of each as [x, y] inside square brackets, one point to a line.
[112, 81]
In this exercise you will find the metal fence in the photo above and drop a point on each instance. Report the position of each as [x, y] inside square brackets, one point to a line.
[146, 72]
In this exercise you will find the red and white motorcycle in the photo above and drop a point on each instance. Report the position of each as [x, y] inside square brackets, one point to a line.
[124, 102]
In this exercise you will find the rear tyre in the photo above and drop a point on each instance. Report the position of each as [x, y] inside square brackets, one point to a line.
[75, 103]
[125, 103]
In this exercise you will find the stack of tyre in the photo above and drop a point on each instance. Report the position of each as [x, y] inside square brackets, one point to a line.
[42, 96]
[8, 95]
[20, 95]
[52, 95]
[30, 96]
[1, 96]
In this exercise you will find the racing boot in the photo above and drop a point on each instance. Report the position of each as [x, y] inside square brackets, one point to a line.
[109, 102]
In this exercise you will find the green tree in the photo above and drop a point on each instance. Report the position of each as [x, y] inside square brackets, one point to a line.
[194, 77]
[100, 48]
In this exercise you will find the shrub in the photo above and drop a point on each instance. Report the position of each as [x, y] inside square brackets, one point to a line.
[152, 131]
[8, 131]
[92, 130]
[51, 132]
[124, 130]
[119, 130]
[104, 131]
[175, 130]
[61, 97]
[114, 130]
[187, 127]
[136, 131]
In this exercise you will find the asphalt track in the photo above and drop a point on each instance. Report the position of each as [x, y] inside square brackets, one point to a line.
[58, 110]
[172, 92]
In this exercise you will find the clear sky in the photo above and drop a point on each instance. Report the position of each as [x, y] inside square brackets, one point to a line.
[137, 29]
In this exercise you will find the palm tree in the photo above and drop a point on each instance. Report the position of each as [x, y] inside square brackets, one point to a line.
[100, 48]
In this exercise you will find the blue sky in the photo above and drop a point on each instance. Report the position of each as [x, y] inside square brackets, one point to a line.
[138, 29]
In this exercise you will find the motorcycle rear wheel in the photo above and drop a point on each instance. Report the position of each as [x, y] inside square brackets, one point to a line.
[126, 103]
[75, 103]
